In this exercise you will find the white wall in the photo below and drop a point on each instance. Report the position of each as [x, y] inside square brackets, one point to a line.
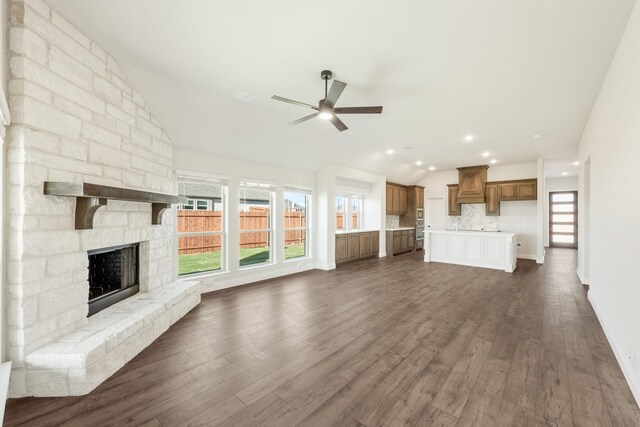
[565, 183]
[517, 217]
[611, 144]
[201, 164]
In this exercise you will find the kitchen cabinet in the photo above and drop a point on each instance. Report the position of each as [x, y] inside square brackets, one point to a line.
[356, 245]
[396, 199]
[353, 247]
[454, 207]
[399, 241]
[492, 204]
[528, 190]
[523, 189]
[508, 191]
[341, 248]
[415, 201]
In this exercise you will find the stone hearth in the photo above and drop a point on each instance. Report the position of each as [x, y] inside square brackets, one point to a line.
[76, 117]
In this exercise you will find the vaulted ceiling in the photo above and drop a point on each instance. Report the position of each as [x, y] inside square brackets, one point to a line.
[500, 71]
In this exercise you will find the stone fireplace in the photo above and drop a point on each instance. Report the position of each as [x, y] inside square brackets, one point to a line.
[114, 275]
[77, 118]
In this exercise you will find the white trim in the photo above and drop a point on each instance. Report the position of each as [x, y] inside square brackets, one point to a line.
[326, 267]
[5, 374]
[583, 279]
[527, 256]
[625, 365]
[262, 273]
[186, 174]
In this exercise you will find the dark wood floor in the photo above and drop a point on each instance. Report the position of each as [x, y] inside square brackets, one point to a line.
[390, 341]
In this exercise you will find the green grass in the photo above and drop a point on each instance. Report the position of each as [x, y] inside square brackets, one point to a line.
[209, 261]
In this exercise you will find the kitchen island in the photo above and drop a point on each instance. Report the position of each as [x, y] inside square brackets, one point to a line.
[488, 249]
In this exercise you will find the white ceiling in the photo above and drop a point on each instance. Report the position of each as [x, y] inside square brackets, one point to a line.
[501, 71]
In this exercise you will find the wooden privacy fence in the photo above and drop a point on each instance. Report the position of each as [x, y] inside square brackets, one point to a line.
[203, 221]
[340, 220]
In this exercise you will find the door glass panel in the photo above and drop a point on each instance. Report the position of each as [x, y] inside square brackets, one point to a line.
[562, 228]
[563, 208]
[562, 238]
[562, 218]
[562, 197]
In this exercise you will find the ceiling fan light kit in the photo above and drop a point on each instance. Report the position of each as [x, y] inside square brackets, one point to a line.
[325, 109]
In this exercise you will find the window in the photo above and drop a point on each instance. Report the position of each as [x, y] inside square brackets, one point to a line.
[357, 204]
[201, 225]
[296, 222]
[349, 212]
[341, 204]
[256, 223]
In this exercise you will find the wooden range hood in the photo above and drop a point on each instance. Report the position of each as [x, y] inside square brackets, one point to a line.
[471, 181]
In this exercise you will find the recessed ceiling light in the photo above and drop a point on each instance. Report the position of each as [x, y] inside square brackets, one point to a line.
[419, 163]
[538, 135]
[576, 163]
[565, 173]
[486, 154]
[390, 151]
[469, 138]
[243, 96]
[493, 161]
[432, 168]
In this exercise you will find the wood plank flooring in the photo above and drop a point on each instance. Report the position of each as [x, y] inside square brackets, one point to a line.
[390, 341]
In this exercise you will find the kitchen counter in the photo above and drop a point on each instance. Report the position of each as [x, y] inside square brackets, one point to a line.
[355, 231]
[400, 228]
[488, 249]
[483, 232]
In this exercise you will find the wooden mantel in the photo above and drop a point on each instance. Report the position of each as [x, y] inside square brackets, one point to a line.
[91, 197]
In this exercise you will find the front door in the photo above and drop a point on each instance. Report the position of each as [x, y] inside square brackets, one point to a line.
[563, 219]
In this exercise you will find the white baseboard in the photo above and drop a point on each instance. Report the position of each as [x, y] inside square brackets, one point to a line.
[526, 256]
[326, 267]
[5, 373]
[583, 279]
[623, 361]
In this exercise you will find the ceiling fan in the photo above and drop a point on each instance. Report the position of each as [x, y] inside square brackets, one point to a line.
[326, 108]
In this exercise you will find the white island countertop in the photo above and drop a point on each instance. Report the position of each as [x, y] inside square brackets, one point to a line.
[400, 228]
[483, 232]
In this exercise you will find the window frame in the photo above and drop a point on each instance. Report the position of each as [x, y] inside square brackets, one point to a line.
[224, 186]
[348, 212]
[271, 190]
[308, 193]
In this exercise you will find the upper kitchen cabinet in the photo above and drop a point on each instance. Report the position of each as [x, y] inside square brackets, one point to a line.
[396, 199]
[415, 196]
[492, 204]
[524, 189]
[455, 208]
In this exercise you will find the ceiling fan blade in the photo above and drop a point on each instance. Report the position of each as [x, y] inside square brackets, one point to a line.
[291, 101]
[334, 93]
[358, 110]
[338, 123]
[304, 119]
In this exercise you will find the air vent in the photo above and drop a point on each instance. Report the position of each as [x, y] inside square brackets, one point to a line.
[244, 96]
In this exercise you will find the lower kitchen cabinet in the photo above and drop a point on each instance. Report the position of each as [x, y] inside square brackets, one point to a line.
[399, 241]
[356, 245]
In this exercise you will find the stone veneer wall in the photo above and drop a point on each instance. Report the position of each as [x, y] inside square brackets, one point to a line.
[76, 117]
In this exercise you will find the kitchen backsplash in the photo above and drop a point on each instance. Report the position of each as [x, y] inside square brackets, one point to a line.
[473, 218]
[393, 221]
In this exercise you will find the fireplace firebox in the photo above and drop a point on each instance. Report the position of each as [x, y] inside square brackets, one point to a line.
[114, 275]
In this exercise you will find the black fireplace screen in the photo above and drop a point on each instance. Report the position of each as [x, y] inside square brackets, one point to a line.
[114, 275]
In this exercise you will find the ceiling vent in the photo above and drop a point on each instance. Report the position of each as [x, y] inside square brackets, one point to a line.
[244, 96]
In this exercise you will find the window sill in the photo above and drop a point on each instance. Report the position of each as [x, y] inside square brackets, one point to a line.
[203, 274]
